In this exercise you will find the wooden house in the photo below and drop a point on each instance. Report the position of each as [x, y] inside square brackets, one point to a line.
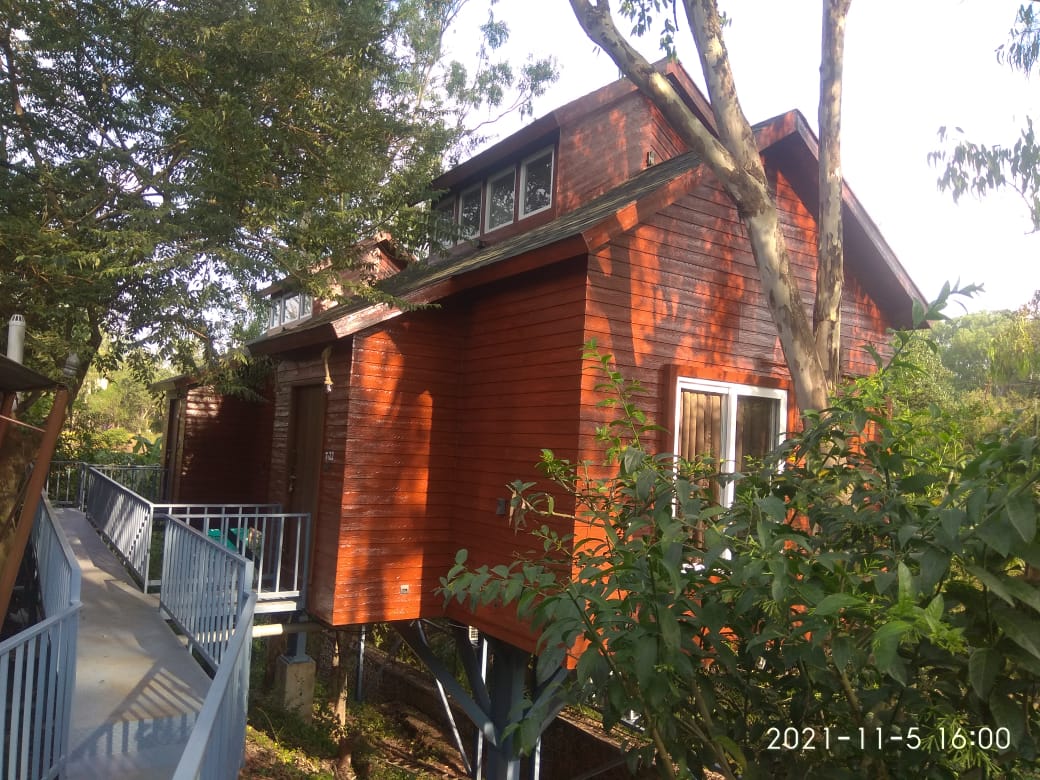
[400, 427]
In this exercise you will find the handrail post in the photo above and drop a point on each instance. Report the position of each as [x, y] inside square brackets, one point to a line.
[81, 490]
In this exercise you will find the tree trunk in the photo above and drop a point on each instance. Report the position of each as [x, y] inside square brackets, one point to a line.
[734, 158]
[829, 244]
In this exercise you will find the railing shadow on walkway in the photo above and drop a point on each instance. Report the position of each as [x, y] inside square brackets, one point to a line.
[208, 590]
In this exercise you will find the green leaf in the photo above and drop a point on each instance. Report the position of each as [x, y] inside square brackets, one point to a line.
[885, 644]
[934, 563]
[1023, 590]
[906, 582]
[983, 666]
[997, 533]
[836, 602]
[916, 483]
[1007, 714]
[906, 533]
[993, 583]
[1022, 513]
[773, 508]
[843, 651]
[1019, 628]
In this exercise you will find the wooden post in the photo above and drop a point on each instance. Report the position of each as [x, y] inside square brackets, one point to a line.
[37, 480]
[6, 410]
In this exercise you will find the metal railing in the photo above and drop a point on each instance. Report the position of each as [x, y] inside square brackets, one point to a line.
[124, 519]
[64, 486]
[204, 585]
[145, 481]
[277, 542]
[206, 591]
[38, 665]
[216, 746]
[66, 480]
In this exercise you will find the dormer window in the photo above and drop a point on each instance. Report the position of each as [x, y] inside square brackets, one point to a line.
[510, 194]
[469, 212]
[289, 307]
[536, 183]
[501, 199]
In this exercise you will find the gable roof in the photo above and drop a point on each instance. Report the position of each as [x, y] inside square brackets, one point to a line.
[787, 138]
[790, 136]
[580, 230]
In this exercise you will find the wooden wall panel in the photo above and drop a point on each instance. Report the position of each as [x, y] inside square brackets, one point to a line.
[446, 408]
[394, 494]
[520, 392]
[682, 289]
[224, 448]
[307, 368]
[609, 146]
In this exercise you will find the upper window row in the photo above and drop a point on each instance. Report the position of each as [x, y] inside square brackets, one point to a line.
[289, 307]
[499, 201]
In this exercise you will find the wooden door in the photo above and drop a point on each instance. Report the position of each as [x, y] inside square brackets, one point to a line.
[306, 435]
[306, 428]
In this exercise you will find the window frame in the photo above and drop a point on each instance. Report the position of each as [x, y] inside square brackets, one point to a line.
[463, 234]
[731, 391]
[522, 189]
[276, 316]
[488, 225]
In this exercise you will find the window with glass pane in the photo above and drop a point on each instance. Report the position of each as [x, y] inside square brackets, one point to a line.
[443, 223]
[501, 194]
[289, 307]
[537, 183]
[469, 212]
[292, 308]
[728, 423]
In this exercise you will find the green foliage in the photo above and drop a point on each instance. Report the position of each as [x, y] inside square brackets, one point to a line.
[988, 377]
[864, 578]
[970, 167]
[115, 419]
[160, 161]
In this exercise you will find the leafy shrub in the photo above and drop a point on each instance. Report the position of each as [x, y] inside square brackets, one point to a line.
[867, 607]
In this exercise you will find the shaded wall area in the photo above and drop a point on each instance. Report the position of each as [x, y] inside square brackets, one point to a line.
[221, 447]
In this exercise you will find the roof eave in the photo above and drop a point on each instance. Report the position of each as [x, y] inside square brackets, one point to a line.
[778, 134]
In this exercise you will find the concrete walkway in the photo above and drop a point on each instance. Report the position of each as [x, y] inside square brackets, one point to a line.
[138, 690]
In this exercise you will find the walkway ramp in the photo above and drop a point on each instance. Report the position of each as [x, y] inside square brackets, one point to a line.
[138, 690]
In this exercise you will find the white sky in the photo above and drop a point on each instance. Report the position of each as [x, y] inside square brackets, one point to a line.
[910, 67]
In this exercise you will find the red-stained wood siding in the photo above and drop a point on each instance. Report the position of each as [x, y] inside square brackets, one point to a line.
[520, 394]
[608, 147]
[393, 488]
[224, 448]
[446, 408]
[681, 290]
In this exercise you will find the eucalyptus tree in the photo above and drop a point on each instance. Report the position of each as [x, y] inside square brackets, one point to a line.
[731, 152]
[158, 161]
[973, 167]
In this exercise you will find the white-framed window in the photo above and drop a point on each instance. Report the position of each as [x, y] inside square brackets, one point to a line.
[469, 212]
[729, 422]
[289, 307]
[442, 228]
[501, 198]
[536, 178]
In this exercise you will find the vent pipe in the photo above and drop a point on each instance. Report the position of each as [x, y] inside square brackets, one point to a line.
[16, 338]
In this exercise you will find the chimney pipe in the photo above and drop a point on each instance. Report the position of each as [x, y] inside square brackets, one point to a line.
[16, 338]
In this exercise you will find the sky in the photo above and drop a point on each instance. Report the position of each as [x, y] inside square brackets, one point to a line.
[910, 68]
